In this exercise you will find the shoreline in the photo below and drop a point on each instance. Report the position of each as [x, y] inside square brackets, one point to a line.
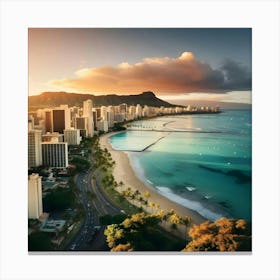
[123, 171]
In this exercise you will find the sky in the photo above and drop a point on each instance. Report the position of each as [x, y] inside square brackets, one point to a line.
[175, 63]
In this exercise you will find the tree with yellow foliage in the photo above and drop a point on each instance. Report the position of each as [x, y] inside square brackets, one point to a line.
[122, 248]
[221, 235]
[140, 232]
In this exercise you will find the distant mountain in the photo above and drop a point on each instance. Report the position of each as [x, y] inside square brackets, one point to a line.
[52, 99]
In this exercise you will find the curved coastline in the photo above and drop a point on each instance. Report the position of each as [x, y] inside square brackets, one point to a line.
[124, 172]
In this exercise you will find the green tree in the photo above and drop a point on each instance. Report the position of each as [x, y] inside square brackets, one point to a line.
[58, 199]
[140, 232]
[39, 241]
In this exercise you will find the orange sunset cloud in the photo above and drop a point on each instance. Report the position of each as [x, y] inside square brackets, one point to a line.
[163, 75]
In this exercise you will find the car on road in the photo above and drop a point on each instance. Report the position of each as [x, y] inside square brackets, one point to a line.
[94, 232]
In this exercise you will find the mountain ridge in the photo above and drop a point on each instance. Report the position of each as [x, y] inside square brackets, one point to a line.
[53, 99]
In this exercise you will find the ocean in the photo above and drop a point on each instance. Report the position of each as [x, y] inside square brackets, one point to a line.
[202, 162]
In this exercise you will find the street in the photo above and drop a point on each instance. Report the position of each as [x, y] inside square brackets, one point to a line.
[91, 237]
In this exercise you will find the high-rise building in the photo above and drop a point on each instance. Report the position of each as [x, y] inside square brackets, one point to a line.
[119, 117]
[123, 108]
[40, 126]
[74, 112]
[146, 111]
[131, 112]
[117, 109]
[30, 122]
[98, 113]
[138, 111]
[72, 136]
[178, 110]
[110, 116]
[81, 124]
[87, 112]
[55, 136]
[47, 116]
[55, 154]
[34, 148]
[102, 126]
[94, 115]
[61, 118]
[104, 113]
[35, 202]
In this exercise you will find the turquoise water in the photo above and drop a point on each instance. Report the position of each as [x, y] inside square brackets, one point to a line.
[202, 162]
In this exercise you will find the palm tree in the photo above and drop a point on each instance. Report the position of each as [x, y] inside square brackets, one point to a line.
[147, 194]
[175, 220]
[186, 222]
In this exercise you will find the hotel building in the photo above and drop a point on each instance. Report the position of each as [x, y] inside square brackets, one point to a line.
[55, 154]
[81, 124]
[34, 148]
[72, 136]
[55, 136]
[61, 118]
[87, 112]
[35, 202]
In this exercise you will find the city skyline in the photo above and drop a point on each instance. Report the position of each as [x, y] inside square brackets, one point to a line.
[211, 64]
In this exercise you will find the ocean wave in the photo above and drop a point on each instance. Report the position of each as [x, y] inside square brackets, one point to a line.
[193, 205]
[136, 165]
[191, 189]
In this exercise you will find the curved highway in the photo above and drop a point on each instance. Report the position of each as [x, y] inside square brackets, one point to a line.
[90, 236]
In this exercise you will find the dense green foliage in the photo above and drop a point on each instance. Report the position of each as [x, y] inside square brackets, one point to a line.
[58, 199]
[119, 127]
[39, 241]
[80, 163]
[109, 219]
[140, 232]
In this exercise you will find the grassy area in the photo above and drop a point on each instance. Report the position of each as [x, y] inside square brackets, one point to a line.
[120, 201]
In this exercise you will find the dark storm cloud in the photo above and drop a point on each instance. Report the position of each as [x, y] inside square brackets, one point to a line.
[163, 75]
[236, 76]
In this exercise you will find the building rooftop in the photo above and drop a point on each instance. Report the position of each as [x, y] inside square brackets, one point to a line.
[52, 225]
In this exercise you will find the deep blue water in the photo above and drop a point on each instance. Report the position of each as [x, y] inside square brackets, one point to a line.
[208, 172]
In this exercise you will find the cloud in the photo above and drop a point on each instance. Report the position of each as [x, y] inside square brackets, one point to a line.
[236, 76]
[163, 75]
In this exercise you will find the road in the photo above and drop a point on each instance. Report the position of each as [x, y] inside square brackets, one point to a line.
[91, 237]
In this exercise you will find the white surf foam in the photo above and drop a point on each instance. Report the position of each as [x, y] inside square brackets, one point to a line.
[150, 182]
[190, 189]
[193, 205]
[136, 165]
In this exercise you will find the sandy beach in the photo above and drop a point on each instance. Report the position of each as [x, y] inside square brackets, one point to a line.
[123, 171]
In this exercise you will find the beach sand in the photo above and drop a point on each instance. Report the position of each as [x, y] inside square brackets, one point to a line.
[123, 171]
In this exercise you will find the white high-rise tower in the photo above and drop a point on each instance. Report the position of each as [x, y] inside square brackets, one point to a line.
[35, 202]
[87, 112]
